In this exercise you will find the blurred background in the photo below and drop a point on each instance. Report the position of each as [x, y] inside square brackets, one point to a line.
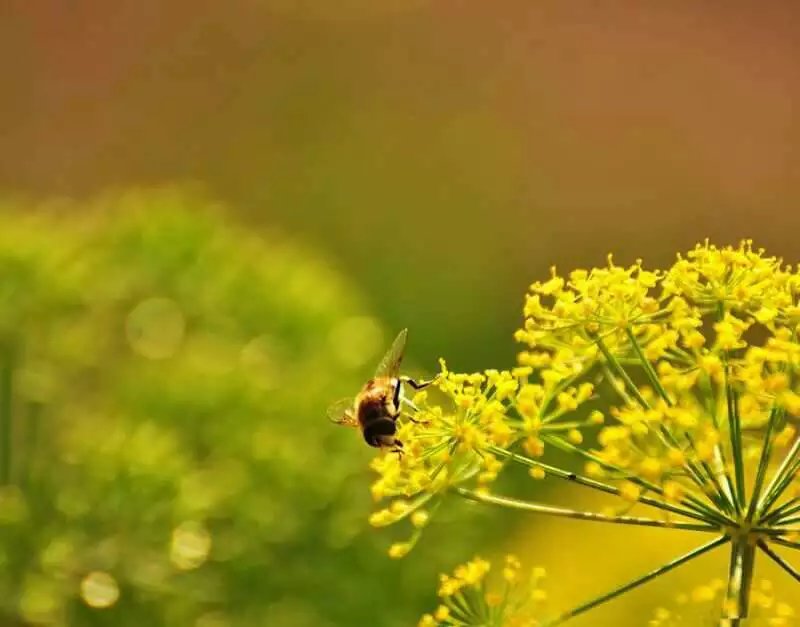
[216, 215]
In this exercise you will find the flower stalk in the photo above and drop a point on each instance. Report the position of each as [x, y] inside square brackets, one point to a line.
[549, 510]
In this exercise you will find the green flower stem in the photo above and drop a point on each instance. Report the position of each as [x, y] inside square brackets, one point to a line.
[786, 543]
[763, 463]
[780, 479]
[615, 365]
[648, 367]
[787, 521]
[734, 427]
[774, 531]
[779, 560]
[547, 510]
[585, 607]
[785, 481]
[689, 501]
[593, 483]
[665, 434]
[786, 509]
[619, 388]
[719, 452]
[719, 497]
[740, 577]
[7, 364]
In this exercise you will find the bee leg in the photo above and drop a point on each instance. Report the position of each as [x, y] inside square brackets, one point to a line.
[398, 401]
[396, 397]
[417, 385]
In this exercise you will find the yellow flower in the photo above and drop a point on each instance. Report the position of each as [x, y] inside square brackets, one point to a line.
[469, 595]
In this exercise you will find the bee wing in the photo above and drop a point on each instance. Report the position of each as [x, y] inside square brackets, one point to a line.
[341, 412]
[390, 364]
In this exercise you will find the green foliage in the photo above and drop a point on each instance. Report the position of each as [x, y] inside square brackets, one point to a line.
[163, 384]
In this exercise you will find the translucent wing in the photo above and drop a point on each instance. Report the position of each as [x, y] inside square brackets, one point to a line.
[341, 412]
[390, 364]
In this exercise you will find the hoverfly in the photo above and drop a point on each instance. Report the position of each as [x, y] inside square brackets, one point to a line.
[376, 408]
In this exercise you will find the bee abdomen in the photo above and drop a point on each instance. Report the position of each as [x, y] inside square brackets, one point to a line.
[380, 433]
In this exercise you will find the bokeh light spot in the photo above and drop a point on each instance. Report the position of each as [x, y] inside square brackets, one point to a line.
[191, 544]
[155, 328]
[38, 602]
[99, 590]
[57, 554]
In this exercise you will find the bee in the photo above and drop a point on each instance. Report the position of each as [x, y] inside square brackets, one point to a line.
[376, 408]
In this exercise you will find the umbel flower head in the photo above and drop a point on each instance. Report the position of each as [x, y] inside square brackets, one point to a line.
[469, 597]
[674, 391]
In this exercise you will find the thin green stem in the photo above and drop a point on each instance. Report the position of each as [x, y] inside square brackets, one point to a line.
[774, 531]
[648, 367]
[547, 510]
[780, 479]
[763, 463]
[664, 433]
[786, 521]
[718, 495]
[779, 560]
[719, 452]
[734, 424]
[740, 576]
[608, 596]
[689, 501]
[788, 508]
[593, 483]
[786, 543]
[615, 365]
[619, 388]
[734, 428]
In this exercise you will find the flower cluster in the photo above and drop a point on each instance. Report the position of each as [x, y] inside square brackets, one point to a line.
[674, 389]
[466, 599]
[462, 435]
[697, 356]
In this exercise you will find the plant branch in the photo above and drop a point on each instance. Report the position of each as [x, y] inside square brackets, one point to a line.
[740, 577]
[781, 479]
[648, 367]
[763, 462]
[690, 501]
[779, 560]
[547, 510]
[596, 485]
[584, 607]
